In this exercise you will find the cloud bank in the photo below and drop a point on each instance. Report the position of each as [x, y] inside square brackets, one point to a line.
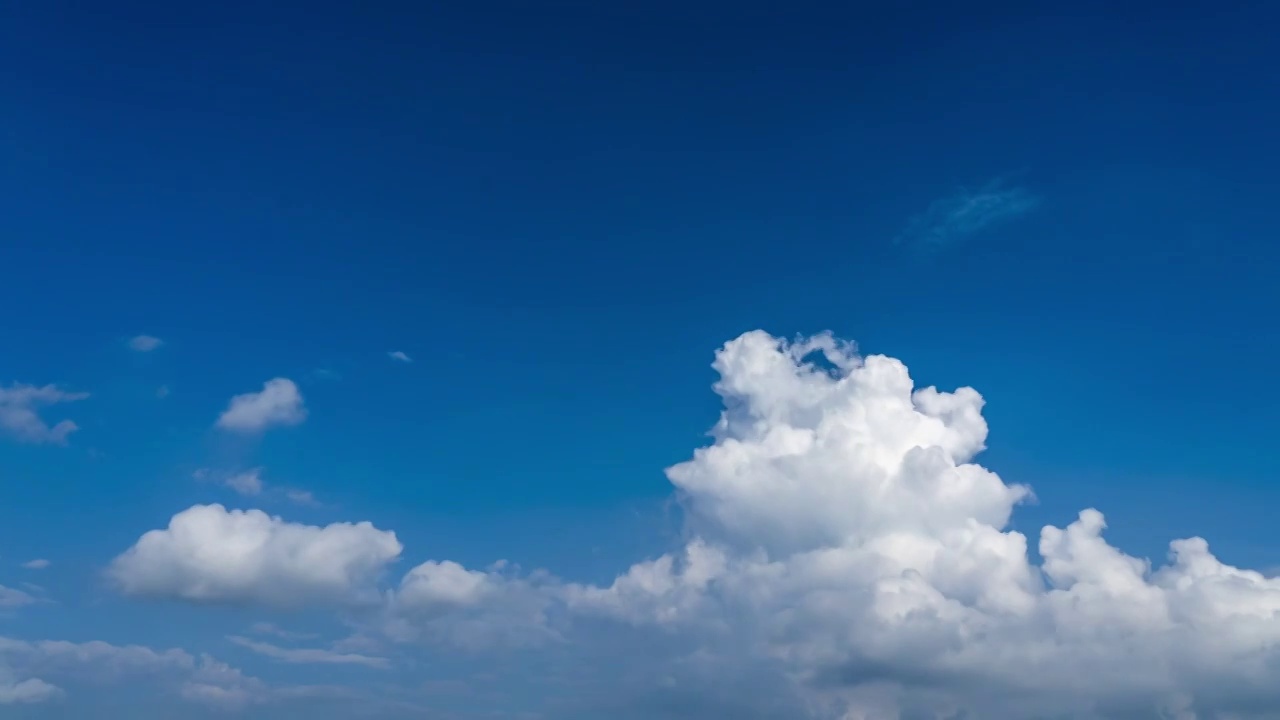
[846, 559]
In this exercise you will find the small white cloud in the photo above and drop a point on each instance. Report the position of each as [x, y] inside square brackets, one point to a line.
[144, 343]
[967, 213]
[212, 555]
[301, 497]
[266, 628]
[278, 403]
[246, 483]
[162, 392]
[303, 656]
[37, 564]
[399, 356]
[19, 417]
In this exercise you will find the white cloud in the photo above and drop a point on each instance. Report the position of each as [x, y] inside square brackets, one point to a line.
[36, 564]
[301, 497]
[304, 656]
[29, 691]
[967, 213]
[399, 356]
[210, 554]
[103, 664]
[11, 598]
[278, 403]
[246, 483]
[144, 343]
[19, 417]
[845, 550]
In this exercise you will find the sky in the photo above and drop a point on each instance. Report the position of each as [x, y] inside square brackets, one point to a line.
[638, 360]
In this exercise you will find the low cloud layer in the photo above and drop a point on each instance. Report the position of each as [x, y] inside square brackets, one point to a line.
[278, 403]
[846, 559]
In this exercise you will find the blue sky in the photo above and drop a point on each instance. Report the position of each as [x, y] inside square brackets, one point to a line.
[558, 214]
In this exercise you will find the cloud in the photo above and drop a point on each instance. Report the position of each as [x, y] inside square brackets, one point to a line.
[279, 403]
[302, 656]
[162, 392]
[11, 598]
[209, 554]
[106, 665]
[848, 557]
[19, 419]
[36, 564]
[246, 483]
[301, 497]
[399, 356]
[144, 343]
[965, 214]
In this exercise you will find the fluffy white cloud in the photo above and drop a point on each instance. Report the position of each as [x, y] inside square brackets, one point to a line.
[144, 343]
[211, 554]
[20, 419]
[842, 536]
[278, 403]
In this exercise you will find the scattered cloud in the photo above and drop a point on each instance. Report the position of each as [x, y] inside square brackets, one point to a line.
[144, 343]
[36, 564]
[278, 403]
[399, 356]
[20, 420]
[303, 656]
[106, 665]
[248, 482]
[209, 554]
[967, 213]
[844, 557]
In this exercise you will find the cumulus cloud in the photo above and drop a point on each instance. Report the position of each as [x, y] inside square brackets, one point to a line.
[214, 555]
[846, 551]
[31, 690]
[278, 403]
[399, 356]
[20, 419]
[967, 213]
[303, 656]
[144, 343]
[36, 564]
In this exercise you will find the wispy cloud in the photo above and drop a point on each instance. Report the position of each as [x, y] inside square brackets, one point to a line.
[309, 655]
[144, 343]
[966, 213]
[399, 356]
[19, 417]
[37, 564]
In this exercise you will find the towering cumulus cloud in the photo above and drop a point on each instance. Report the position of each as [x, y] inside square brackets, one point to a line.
[842, 532]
